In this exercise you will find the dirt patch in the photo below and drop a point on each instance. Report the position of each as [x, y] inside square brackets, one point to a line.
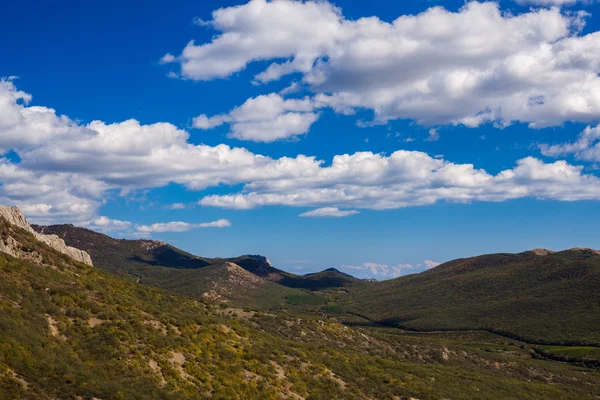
[156, 368]
[281, 376]
[12, 374]
[279, 371]
[541, 252]
[53, 326]
[336, 379]
[236, 312]
[178, 360]
[93, 322]
[157, 325]
[597, 252]
[212, 295]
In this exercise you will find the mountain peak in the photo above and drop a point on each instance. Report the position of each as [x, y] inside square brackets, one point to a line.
[15, 217]
[586, 249]
[542, 252]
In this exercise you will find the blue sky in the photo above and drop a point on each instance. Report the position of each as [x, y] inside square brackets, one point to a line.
[486, 106]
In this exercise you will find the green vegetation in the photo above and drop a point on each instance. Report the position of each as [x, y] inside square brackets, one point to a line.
[305, 299]
[544, 299]
[70, 331]
[164, 266]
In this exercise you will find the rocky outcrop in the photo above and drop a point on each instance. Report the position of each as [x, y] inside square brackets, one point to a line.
[586, 250]
[15, 217]
[542, 252]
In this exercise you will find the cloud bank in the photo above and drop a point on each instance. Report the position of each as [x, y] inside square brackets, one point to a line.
[57, 169]
[474, 66]
[264, 118]
[329, 212]
[384, 271]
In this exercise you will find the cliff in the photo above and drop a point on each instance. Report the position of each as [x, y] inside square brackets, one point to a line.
[15, 217]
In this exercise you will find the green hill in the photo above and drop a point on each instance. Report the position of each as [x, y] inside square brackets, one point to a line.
[72, 331]
[539, 296]
[164, 266]
[329, 278]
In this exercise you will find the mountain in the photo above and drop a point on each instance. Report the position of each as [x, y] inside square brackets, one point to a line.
[15, 217]
[160, 264]
[333, 278]
[69, 330]
[540, 296]
[261, 266]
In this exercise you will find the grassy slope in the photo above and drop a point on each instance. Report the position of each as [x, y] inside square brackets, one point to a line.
[164, 266]
[70, 330]
[552, 298]
[327, 279]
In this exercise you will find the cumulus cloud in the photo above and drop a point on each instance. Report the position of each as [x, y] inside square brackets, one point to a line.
[548, 3]
[469, 67]
[105, 224]
[384, 271]
[126, 228]
[587, 146]
[66, 170]
[381, 271]
[179, 226]
[430, 264]
[46, 196]
[265, 118]
[328, 212]
[411, 178]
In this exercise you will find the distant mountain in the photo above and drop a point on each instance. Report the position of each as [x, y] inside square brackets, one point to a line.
[538, 295]
[330, 278]
[69, 330]
[332, 271]
[333, 278]
[159, 264]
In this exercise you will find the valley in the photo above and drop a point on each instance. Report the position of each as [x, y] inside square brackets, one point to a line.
[139, 324]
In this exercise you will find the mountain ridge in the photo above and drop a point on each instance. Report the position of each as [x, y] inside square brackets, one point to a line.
[70, 330]
[551, 298]
[160, 254]
[15, 217]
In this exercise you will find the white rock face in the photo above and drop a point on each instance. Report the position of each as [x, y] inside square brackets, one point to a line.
[15, 217]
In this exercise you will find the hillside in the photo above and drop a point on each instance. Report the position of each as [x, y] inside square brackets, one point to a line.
[72, 331]
[538, 295]
[162, 265]
[329, 278]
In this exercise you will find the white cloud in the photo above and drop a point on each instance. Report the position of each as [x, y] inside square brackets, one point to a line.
[329, 212]
[167, 58]
[548, 3]
[105, 224]
[265, 118]
[66, 170]
[380, 271]
[179, 226]
[221, 223]
[177, 206]
[409, 178]
[469, 67]
[384, 271]
[587, 146]
[430, 264]
[434, 136]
